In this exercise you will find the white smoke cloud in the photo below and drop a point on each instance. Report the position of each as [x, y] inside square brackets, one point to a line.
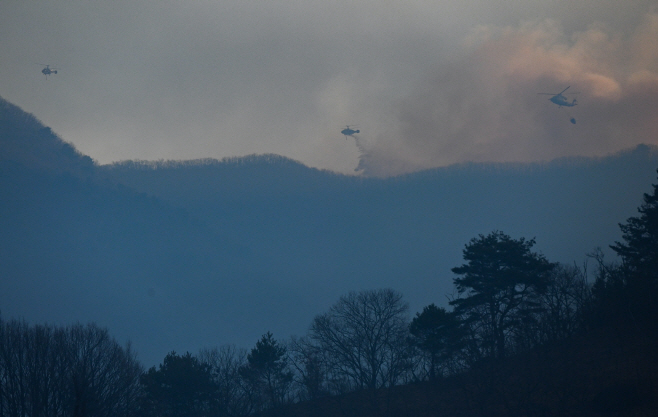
[485, 107]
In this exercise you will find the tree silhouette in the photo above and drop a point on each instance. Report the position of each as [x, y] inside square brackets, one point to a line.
[364, 336]
[225, 363]
[501, 281]
[436, 332]
[566, 303]
[639, 254]
[104, 375]
[181, 387]
[311, 374]
[267, 373]
[65, 371]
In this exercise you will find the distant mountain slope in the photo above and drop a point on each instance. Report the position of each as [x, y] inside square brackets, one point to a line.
[332, 233]
[180, 255]
[75, 248]
[72, 250]
[23, 139]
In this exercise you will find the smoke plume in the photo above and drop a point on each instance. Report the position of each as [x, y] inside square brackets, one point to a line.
[485, 107]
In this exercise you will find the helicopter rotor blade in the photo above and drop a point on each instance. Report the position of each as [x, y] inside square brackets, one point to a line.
[565, 89]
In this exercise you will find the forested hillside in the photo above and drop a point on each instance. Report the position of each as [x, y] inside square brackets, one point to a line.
[185, 254]
[331, 233]
[75, 248]
[180, 256]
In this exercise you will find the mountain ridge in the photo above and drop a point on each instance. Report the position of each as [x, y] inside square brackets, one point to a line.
[193, 254]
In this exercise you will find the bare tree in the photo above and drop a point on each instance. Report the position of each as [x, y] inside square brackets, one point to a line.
[74, 371]
[363, 338]
[104, 376]
[225, 363]
[566, 302]
[311, 375]
[563, 308]
[33, 370]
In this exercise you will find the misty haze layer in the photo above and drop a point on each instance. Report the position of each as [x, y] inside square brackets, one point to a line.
[182, 255]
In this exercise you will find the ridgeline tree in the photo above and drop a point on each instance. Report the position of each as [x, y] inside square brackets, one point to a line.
[437, 333]
[225, 363]
[639, 255]
[182, 386]
[267, 373]
[105, 376]
[74, 371]
[311, 374]
[364, 338]
[501, 284]
[566, 303]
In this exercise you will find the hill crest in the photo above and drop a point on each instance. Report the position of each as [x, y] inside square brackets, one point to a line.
[25, 140]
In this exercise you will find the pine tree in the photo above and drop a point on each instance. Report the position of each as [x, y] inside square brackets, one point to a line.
[639, 254]
[267, 372]
[181, 387]
[502, 281]
[436, 332]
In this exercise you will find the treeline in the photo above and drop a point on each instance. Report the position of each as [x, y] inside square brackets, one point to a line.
[365, 341]
[65, 371]
[267, 159]
[508, 300]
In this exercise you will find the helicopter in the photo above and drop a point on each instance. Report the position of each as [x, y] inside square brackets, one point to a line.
[48, 71]
[349, 132]
[561, 100]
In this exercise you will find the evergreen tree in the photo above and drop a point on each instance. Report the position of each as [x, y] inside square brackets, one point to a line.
[639, 254]
[267, 373]
[436, 332]
[181, 387]
[502, 281]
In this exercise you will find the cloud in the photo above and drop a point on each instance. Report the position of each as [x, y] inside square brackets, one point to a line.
[484, 107]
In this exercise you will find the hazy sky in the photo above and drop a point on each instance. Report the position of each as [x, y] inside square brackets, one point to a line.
[429, 82]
